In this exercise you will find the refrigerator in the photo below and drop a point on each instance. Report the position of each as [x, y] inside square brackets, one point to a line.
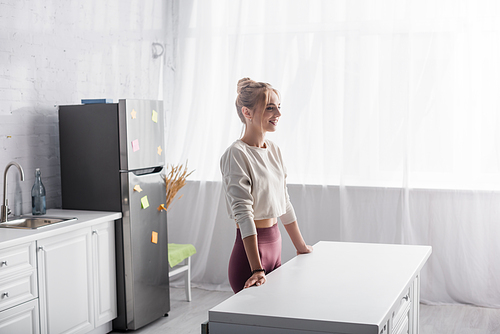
[112, 158]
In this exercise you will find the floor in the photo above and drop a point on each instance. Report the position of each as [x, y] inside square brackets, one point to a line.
[187, 317]
[460, 319]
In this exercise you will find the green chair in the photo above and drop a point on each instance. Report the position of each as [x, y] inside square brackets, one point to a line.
[179, 259]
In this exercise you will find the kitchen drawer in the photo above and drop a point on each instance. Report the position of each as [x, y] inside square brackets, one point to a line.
[18, 288]
[17, 258]
[401, 312]
[23, 319]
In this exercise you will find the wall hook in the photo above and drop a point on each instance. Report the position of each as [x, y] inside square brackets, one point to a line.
[157, 49]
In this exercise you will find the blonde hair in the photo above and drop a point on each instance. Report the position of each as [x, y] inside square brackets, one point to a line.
[253, 95]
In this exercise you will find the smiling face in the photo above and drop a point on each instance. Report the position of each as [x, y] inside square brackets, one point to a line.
[267, 121]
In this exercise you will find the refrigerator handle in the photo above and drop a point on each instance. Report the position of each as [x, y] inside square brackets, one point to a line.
[144, 171]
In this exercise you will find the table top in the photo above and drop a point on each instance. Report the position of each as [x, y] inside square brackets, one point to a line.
[340, 286]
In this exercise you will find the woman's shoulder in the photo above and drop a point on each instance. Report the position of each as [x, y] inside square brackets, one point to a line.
[235, 151]
[236, 147]
[235, 156]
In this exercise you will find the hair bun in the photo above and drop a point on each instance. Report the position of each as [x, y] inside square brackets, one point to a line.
[242, 83]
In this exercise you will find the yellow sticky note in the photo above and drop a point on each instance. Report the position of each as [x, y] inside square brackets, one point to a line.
[154, 116]
[133, 113]
[162, 207]
[144, 202]
[154, 237]
[137, 188]
[159, 150]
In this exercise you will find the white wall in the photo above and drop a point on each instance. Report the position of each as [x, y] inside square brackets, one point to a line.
[59, 52]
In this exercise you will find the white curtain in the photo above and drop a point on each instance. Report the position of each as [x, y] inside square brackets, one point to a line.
[390, 127]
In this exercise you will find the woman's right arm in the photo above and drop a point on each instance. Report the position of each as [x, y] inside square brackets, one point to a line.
[259, 277]
[238, 187]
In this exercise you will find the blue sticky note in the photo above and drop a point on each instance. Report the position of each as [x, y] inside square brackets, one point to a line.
[94, 101]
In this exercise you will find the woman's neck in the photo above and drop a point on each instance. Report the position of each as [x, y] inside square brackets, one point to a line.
[254, 139]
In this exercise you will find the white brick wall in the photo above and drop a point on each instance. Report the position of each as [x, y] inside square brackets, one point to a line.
[59, 52]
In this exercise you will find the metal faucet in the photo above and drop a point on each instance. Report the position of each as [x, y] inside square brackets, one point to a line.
[5, 205]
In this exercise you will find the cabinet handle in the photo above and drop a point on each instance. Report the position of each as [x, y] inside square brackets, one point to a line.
[41, 248]
[95, 232]
[4, 263]
[406, 297]
[5, 295]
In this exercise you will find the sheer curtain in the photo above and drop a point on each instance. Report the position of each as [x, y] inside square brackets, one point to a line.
[390, 127]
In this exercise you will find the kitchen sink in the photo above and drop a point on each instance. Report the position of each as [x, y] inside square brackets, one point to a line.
[28, 222]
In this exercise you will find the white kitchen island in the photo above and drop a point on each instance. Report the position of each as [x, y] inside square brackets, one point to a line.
[341, 287]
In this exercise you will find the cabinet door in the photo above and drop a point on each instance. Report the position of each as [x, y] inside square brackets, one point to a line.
[65, 277]
[103, 240]
[20, 319]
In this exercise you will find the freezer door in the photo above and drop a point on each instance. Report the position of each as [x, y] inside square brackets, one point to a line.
[141, 134]
[145, 247]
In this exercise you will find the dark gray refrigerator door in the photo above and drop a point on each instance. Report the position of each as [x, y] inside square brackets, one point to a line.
[145, 247]
[90, 157]
[141, 134]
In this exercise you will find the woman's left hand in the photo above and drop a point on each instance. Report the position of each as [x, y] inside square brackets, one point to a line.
[257, 278]
[305, 250]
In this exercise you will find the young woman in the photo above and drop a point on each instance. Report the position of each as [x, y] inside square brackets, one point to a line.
[254, 179]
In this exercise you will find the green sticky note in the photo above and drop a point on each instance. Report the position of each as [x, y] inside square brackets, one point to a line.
[154, 116]
[144, 202]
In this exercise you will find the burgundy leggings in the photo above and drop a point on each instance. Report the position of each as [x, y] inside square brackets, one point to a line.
[269, 244]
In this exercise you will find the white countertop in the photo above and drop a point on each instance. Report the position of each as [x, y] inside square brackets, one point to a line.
[341, 286]
[13, 236]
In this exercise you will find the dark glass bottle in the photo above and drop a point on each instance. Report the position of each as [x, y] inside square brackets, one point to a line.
[38, 195]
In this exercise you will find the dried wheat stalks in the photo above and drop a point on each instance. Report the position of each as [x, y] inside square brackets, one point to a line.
[174, 180]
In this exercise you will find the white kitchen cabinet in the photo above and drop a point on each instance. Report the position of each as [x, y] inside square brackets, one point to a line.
[66, 288]
[18, 289]
[103, 241]
[77, 280]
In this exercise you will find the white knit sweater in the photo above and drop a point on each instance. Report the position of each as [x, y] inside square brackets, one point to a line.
[254, 180]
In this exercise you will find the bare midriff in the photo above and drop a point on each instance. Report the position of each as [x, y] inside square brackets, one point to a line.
[264, 223]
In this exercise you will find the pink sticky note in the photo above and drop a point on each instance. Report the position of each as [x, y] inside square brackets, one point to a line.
[135, 145]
